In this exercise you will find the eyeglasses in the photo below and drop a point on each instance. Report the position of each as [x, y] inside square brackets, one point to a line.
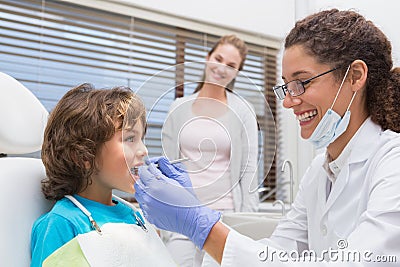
[295, 87]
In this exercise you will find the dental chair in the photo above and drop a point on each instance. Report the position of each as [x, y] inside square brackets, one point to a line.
[22, 122]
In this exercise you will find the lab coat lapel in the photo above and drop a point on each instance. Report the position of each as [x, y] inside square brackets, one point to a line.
[338, 187]
[322, 187]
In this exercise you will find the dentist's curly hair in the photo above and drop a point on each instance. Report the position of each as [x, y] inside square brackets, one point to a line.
[82, 121]
[337, 38]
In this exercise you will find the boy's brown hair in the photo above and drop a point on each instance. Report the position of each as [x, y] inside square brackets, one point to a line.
[82, 121]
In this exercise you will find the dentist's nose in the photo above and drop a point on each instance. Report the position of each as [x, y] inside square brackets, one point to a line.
[291, 101]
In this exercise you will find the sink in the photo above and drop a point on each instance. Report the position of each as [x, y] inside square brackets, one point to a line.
[256, 225]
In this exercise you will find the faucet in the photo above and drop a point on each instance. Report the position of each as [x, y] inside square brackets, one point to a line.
[282, 205]
[289, 163]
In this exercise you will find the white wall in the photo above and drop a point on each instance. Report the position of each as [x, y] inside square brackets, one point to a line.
[274, 18]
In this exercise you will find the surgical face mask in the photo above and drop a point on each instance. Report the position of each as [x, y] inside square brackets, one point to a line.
[332, 125]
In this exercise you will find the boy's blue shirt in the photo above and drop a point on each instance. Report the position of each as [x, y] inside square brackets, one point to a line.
[65, 221]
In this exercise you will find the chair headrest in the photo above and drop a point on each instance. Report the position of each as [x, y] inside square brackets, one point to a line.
[22, 118]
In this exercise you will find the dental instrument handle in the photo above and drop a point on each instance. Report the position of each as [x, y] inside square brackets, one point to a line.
[176, 161]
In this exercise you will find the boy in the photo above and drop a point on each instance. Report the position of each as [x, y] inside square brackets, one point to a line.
[92, 141]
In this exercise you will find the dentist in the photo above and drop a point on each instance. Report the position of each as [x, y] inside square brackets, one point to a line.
[339, 81]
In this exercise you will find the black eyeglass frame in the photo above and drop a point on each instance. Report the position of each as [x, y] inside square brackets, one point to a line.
[285, 89]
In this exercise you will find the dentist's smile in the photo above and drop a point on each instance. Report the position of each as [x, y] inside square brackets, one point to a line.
[306, 117]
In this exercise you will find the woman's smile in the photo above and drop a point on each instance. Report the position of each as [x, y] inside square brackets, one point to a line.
[306, 117]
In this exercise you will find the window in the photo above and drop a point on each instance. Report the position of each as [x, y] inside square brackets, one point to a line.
[52, 46]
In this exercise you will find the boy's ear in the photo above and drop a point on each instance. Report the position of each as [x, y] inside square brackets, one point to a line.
[75, 158]
[358, 75]
[87, 165]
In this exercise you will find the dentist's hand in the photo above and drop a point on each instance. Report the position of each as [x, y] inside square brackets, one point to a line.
[169, 206]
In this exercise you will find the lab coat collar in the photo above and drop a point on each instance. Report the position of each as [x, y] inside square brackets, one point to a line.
[365, 141]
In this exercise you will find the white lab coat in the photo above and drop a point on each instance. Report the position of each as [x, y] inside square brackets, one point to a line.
[363, 209]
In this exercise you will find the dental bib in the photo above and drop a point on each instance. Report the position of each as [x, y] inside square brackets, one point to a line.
[118, 244]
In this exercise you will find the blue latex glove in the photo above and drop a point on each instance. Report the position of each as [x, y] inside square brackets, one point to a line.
[175, 171]
[169, 206]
